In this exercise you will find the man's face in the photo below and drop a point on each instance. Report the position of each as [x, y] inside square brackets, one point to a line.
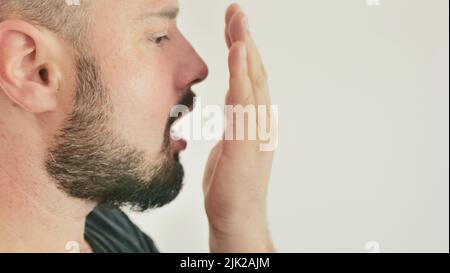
[115, 148]
[147, 64]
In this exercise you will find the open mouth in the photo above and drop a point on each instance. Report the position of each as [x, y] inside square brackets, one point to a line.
[176, 141]
[173, 142]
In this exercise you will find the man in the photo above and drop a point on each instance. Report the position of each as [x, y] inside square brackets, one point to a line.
[85, 96]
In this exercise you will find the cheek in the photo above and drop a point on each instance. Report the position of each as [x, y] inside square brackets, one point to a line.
[142, 97]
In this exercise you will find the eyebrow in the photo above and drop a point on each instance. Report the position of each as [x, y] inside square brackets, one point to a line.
[168, 13]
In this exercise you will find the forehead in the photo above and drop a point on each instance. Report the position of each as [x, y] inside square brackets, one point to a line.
[131, 9]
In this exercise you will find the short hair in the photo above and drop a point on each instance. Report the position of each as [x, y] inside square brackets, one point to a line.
[66, 18]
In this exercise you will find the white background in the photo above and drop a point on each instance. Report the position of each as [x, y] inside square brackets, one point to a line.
[363, 102]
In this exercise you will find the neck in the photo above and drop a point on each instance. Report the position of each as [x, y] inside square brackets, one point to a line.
[35, 216]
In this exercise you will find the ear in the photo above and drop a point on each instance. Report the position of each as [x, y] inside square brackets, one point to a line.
[28, 74]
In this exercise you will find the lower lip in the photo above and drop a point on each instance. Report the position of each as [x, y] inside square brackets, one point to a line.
[178, 145]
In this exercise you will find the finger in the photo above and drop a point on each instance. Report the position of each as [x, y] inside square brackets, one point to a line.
[240, 84]
[227, 38]
[238, 30]
[232, 9]
[240, 93]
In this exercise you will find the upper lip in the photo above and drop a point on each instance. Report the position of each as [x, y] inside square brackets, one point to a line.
[188, 101]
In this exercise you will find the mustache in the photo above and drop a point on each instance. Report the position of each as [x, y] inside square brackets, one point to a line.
[187, 100]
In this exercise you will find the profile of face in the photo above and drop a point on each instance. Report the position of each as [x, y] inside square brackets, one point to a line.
[114, 147]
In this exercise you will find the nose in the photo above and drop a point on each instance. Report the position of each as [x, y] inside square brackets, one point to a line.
[191, 68]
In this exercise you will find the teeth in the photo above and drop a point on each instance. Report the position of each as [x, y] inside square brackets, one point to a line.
[181, 128]
[175, 134]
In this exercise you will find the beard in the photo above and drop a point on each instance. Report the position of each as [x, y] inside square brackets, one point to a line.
[88, 160]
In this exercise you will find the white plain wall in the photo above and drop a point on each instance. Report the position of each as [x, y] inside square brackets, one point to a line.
[363, 100]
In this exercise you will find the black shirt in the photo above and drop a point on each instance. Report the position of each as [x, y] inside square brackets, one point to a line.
[111, 231]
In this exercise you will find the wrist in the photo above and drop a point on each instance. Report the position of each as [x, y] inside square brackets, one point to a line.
[249, 239]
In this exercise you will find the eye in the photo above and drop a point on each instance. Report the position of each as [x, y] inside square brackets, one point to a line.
[159, 40]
